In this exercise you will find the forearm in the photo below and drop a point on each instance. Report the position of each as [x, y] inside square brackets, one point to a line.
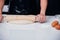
[1, 5]
[43, 4]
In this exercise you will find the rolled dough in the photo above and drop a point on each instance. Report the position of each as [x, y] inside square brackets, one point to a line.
[20, 22]
[20, 19]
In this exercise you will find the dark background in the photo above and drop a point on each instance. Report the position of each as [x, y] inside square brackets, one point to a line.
[52, 9]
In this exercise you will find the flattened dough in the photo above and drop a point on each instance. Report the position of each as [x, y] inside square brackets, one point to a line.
[20, 22]
[20, 19]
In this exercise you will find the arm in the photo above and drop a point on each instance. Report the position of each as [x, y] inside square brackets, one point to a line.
[41, 17]
[1, 6]
[43, 4]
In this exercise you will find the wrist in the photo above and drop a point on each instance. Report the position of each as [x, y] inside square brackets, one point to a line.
[42, 12]
[0, 12]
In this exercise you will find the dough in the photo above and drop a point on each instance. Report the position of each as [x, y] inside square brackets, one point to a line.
[20, 19]
[20, 22]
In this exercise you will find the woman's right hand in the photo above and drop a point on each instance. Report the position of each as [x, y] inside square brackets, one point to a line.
[1, 17]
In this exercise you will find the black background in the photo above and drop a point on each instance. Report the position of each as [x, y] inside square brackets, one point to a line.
[52, 9]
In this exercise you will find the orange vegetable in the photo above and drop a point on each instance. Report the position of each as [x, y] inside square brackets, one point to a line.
[57, 27]
[54, 23]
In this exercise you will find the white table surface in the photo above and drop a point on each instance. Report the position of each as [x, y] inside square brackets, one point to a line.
[35, 31]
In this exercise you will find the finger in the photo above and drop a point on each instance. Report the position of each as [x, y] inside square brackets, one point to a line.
[36, 19]
[43, 18]
[1, 19]
[40, 19]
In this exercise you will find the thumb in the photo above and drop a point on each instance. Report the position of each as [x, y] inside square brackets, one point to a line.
[36, 18]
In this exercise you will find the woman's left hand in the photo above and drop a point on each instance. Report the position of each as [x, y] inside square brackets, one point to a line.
[41, 18]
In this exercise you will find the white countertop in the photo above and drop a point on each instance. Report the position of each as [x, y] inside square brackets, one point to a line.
[35, 31]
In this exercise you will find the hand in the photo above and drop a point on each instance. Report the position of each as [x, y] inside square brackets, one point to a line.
[1, 18]
[41, 18]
